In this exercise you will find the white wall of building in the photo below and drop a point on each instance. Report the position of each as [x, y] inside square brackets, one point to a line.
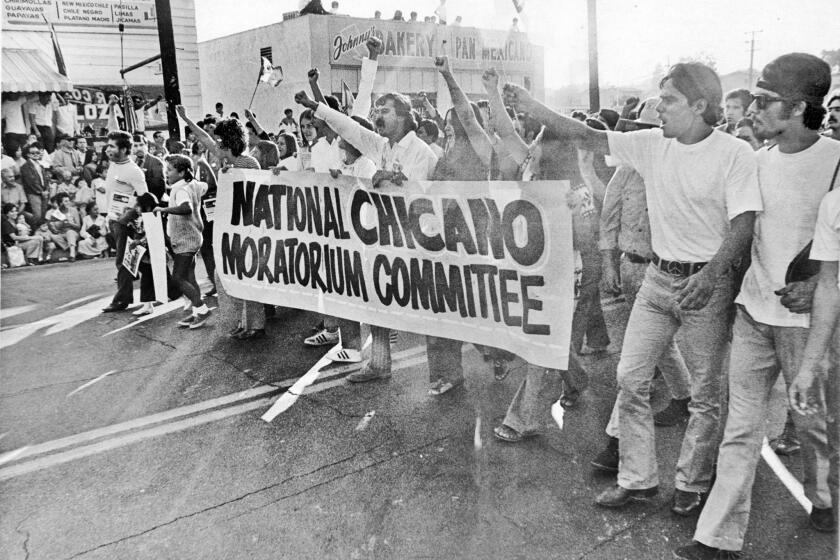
[230, 65]
[92, 52]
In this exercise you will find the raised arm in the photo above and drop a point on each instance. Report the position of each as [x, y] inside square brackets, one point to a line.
[565, 127]
[313, 76]
[253, 120]
[499, 118]
[476, 134]
[364, 140]
[200, 134]
[361, 105]
[433, 114]
[586, 164]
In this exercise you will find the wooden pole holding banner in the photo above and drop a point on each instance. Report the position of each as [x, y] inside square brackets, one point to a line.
[169, 65]
[594, 88]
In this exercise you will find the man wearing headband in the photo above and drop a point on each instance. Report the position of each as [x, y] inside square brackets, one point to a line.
[773, 312]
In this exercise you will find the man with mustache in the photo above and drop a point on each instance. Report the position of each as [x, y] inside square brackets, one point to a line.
[833, 130]
[773, 309]
[399, 155]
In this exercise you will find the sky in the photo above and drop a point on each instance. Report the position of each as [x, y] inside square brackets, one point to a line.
[633, 35]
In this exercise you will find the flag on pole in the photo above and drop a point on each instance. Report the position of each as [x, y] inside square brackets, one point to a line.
[270, 74]
[519, 5]
[129, 113]
[59, 58]
[347, 95]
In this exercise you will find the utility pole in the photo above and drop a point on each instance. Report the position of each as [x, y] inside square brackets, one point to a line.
[171, 87]
[752, 54]
[594, 89]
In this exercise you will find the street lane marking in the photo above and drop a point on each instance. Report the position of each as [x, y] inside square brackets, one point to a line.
[12, 311]
[40, 463]
[158, 311]
[91, 382]
[172, 414]
[12, 455]
[81, 300]
[781, 472]
[290, 397]
[56, 323]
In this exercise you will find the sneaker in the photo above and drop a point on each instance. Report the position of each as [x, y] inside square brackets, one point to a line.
[368, 373]
[699, 551]
[212, 292]
[323, 338]
[673, 414]
[822, 519]
[143, 311]
[345, 355]
[199, 319]
[607, 460]
[186, 322]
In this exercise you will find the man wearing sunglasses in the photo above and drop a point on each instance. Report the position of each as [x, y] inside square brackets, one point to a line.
[833, 125]
[702, 196]
[773, 312]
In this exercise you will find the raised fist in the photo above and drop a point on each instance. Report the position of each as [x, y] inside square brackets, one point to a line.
[442, 64]
[302, 99]
[374, 46]
[313, 75]
[490, 79]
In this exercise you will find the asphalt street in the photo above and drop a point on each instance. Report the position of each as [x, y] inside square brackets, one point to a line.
[122, 439]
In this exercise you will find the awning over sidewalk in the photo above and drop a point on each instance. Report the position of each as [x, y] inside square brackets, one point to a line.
[28, 70]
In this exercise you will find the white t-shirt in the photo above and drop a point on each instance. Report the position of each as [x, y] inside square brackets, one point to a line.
[123, 180]
[363, 167]
[326, 156]
[826, 245]
[693, 190]
[66, 119]
[13, 115]
[411, 156]
[792, 186]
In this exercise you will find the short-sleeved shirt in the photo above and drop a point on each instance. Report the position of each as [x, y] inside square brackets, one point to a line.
[43, 113]
[326, 155]
[123, 178]
[693, 190]
[13, 115]
[792, 186]
[826, 245]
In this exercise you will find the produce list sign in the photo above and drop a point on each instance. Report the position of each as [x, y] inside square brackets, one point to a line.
[107, 13]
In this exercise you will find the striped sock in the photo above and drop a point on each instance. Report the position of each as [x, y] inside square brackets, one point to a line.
[380, 354]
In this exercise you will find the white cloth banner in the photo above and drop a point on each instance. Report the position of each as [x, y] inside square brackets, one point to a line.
[153, 226]
[484, 262]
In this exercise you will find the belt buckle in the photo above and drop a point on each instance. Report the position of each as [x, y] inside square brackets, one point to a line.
[674, 268]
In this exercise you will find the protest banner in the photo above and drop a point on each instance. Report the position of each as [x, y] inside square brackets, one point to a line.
[483, 262]
[153, 226]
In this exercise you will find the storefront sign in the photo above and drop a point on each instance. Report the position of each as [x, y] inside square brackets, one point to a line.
[81, 12]
[407, 40]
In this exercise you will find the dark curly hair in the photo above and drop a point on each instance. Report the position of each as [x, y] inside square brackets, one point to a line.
[232, 136]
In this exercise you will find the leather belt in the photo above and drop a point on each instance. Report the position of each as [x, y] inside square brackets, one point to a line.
[676, 268]
[636, 259]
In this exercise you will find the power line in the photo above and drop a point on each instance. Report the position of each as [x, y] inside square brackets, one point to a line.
[752, 52]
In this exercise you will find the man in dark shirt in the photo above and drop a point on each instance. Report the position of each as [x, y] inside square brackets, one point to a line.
[34, 180]
[152, 166]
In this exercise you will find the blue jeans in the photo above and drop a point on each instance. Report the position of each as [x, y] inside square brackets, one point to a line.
[759, 353]
[654, 321]
[671, 364]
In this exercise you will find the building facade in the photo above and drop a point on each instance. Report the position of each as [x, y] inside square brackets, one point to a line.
[335, 45]
[94, 50]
